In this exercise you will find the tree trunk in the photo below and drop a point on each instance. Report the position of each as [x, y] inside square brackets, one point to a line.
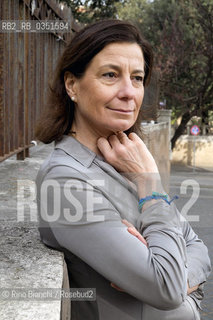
[180, 129]
[205, 121]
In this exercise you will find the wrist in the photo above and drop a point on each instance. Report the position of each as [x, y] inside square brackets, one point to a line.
[150, 203]
[155, 196]
[148, 183]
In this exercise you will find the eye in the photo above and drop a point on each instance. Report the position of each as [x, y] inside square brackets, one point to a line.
[138, 78]
[110, 75]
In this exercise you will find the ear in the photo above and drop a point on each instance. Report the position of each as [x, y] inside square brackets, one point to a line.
[70, 83]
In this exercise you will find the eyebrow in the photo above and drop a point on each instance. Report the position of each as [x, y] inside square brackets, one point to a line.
[116, 67]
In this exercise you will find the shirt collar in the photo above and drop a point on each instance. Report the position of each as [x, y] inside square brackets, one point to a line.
[77, 150]
[85, 156]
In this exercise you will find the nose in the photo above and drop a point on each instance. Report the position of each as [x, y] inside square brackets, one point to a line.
[126, 89]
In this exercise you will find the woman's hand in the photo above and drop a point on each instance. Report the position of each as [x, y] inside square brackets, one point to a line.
[127, 154]
[192, 289]
[130, 156]
[131, 229]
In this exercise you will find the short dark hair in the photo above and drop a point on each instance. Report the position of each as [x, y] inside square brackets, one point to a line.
[89, 41]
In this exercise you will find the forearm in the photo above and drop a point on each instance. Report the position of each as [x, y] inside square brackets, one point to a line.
[199, 265]
[198, 262]
[132, 230]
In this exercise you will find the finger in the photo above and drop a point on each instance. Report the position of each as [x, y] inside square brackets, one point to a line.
[123, 137]
[141, 238]
[137, 140]
[190, 290]
[127, 223]
[116, 287]
[133, 231]
[137, 234]
[104, 146]
[134, 137]
[114, 141]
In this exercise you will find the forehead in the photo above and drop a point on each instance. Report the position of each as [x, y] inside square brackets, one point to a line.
[122, 53]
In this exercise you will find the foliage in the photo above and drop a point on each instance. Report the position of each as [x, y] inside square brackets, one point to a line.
[87, 11]
[181, 33]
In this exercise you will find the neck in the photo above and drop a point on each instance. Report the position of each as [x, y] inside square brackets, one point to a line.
[88, 136]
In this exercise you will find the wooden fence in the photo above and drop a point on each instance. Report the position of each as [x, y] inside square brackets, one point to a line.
[27, 60]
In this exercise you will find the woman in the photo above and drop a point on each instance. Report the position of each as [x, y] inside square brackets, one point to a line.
[139, 260]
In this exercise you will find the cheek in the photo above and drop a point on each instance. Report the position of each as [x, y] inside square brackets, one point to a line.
[141, 96]
[139, 101]
[100, 98]
[136, 114]
[85, 99]
[92, 93]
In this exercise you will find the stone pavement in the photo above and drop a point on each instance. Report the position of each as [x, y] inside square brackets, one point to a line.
[195, 189]
[184, 182]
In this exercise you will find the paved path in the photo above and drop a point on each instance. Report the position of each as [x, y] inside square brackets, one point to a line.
[195, 189]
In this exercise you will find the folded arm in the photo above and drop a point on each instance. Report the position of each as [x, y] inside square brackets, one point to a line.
[199, 268]
[154, 275]
[198, 262]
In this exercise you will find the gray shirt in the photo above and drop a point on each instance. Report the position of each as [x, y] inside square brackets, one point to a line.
[81, 201]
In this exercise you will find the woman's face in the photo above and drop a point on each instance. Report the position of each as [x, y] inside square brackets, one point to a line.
[109, 95]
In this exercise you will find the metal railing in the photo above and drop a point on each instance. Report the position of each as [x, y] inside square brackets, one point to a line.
[27, 61]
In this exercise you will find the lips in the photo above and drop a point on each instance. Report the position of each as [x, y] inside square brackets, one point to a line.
[121, 110]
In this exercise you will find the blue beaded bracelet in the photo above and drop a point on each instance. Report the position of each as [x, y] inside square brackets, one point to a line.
[156, 195]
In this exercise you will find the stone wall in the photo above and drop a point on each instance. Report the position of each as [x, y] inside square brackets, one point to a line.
[30, 274]
[157, 139]
[183, 153]
[27, 266]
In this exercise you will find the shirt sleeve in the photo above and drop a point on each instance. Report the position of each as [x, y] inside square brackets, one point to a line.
[85, 222]
[198, 261]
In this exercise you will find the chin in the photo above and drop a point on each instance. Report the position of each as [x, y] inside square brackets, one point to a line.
[122, 126]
